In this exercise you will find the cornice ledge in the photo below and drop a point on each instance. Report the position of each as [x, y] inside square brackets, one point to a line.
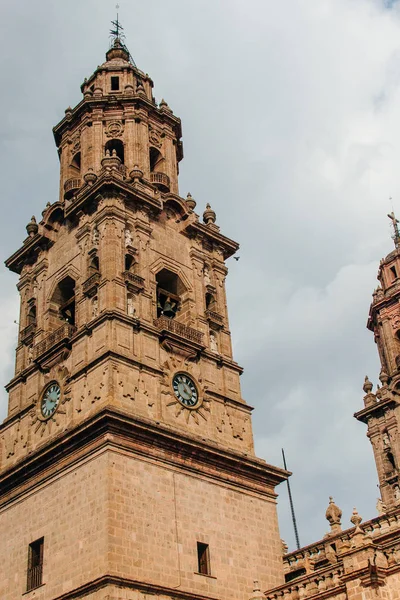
[132, 584]
[107, 182]
[112, 427]
[31, 246]
[366, 413]
[229, 246]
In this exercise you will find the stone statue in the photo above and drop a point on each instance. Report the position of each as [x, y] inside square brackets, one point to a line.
[95, 307]
[397, 494]
[131, 310]
[386, 440]
[128, 238]
[30, 354]
[206, 274]
[95, 236]
[213, 343]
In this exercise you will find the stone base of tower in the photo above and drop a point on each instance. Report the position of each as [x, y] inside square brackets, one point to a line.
[122, 505]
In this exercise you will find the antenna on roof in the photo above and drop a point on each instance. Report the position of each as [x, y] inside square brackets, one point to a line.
[296, 533]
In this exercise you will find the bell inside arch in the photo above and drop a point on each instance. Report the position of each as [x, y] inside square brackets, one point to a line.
[170, 307]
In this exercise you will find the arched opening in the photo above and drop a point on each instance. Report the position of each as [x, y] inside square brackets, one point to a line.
[156, 160]
[391, 460]
[64, 300]
[129, 263]
[76, 162]
[31, 316]
[116, 145]
[94, 265]
[169, 293]
[210, 302]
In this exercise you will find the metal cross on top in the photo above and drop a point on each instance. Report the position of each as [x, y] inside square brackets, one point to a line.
[118, 31]
[396, 236]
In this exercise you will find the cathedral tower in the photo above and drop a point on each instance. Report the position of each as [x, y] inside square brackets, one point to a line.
[127, 458]
[382, 408]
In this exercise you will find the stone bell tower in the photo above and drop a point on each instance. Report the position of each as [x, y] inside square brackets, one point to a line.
[382, 408]
[127, 463]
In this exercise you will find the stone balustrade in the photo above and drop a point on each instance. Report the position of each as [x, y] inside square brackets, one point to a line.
[310, 585]
[65, 332]
[89, 287]
[166, 324]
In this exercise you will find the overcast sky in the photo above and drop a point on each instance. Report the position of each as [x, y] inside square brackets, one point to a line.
[291, 121]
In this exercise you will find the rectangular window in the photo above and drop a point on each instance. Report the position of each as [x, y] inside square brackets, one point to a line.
[114, 83]
[203, 556]
[394, 273]
[35, 565]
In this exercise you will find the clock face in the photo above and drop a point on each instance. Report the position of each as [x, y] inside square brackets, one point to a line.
[50, 400]
[185, 390]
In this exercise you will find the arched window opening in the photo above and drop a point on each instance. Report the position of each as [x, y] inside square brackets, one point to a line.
[76, 162]
[64, 299]
[156, 160]
[169, 292]
[210, 302]
[31, 316]
[390, 458]
[129, 263]
[116, 145]
[94, 265]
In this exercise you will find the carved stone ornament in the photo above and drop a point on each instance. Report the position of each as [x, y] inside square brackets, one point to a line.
[395, 320]
[114, 129]
[154, 137]
[76, 143]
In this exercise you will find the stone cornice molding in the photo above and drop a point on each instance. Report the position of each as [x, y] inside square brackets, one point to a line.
[151, 589]
[113, 429]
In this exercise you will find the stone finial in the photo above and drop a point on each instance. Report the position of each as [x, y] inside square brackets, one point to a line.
[90, 177]
[356, 520]
[285, 547]
[32, 228]
[257, 593]
[368, 385]
[380, 507]
[111, 161]
[209, 216]
[383, 377]
[333, 515]
[190, 201]
[140, 87]
[136, 173]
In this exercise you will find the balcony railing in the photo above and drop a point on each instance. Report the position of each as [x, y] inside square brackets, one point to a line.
[63, 333]
[133, 279]
[214, 317]
[166, 324]
[89, 287]
[34, 578]
[71, 186]
[161, 180]
[27, 333]
[310, 585]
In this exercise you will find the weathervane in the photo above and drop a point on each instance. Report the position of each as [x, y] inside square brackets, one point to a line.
[117, 36]
[396, 234]
[118, 31]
